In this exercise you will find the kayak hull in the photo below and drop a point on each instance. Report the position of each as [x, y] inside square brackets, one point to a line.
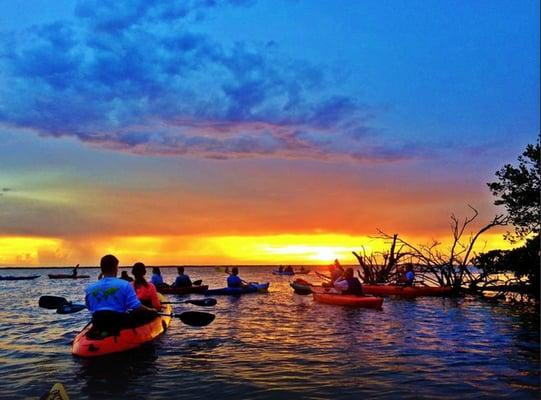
[252, 288]
[18, 278]
[128, 339]
[302, 287]
[276, 272]
[349, 300]
[67, 276]
[183, 290]
[406, 291]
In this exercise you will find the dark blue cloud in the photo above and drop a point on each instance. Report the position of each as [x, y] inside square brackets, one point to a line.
[132, 76]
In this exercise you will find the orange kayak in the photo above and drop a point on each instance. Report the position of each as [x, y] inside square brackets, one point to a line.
[128, 339]
[331, 296]
[406, 291]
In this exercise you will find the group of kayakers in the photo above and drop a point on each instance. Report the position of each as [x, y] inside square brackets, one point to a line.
[345, 282]
[182, 279]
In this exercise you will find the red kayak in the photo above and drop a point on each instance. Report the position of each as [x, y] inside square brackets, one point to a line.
[182, 290]
[129, 338]
[406, 291]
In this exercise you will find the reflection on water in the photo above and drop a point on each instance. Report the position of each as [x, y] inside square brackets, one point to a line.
[279, 345]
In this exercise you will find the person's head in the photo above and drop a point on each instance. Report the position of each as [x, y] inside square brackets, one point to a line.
[348, 273]
[109, 265]
[156, 270]
[180, 270]
[138, 270]
[124, 274]
[409, 267]
[235, 271]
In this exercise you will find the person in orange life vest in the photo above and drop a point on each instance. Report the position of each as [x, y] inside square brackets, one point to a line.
[146, 291]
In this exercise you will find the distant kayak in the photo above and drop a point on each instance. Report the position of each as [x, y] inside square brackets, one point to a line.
[251, 288]
[87, 345]
[182, 290]
[276, 272]
[18, 278]
[407, 291]
[302, 272]
[67, 276]
[57, 392]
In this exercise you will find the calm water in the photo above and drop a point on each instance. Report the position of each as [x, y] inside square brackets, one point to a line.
[277, 345]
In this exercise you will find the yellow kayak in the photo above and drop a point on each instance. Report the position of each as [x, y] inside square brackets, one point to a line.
[57, 392]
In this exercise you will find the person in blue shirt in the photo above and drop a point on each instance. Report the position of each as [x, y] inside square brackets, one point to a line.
[409, 275]
[113, 302]
[182, 280]
[234, 281]
[157, 279]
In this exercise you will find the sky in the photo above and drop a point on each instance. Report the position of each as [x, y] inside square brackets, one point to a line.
[256, 131]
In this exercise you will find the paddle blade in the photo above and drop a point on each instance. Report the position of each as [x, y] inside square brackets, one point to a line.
[52, 302]
[203, 302]
[70, 308]
[195, 318]
[198, 282]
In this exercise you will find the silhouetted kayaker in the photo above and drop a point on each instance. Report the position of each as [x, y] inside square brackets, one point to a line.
[112, 301]
[409, 275]
[157, 279]
[74, 271]
[234, 281]
[348, 284]
[124, 275]
[146, 291]
[182, 280]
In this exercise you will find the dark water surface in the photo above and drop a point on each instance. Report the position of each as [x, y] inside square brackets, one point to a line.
[277, 345]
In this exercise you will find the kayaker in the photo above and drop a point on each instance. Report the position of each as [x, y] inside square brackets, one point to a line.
[74, 271]
[124, 275]
[145, 291]
[348, 284]
[233, 280]
[409, 275]
[112, 301]
[288, 270]
[156, 279]
[336, 272]
[183, 280]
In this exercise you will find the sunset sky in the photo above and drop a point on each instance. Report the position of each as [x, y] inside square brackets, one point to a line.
[249, 132]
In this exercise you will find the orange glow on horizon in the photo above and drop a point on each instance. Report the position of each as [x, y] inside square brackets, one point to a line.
[205, 250]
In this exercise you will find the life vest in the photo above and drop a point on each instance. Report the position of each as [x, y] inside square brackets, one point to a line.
[354, 287]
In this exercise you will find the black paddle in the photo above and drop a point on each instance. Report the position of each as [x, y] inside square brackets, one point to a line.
[56, 303]
[198, 302]
[63, 306]
[193, 318]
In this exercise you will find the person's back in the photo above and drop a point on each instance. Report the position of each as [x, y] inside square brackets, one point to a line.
[182, 279]
[156, 279]
[111, 294]
[233, 280]
[124, 276]
[410, 276]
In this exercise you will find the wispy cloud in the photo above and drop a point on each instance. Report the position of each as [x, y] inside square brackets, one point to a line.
[134, 77]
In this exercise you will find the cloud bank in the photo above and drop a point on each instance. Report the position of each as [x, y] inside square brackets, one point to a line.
[134, 77]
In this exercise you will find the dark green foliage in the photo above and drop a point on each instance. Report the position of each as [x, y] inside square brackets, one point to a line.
[518, 189]
[523, 262]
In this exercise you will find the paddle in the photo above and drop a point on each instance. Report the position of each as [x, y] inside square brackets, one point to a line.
[63, 306]
[198, 302]
[197, 282]
[193, 318]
